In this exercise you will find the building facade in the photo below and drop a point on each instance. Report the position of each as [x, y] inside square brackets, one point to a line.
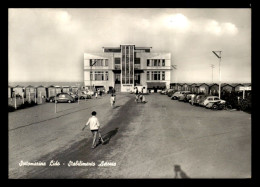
[126, 66]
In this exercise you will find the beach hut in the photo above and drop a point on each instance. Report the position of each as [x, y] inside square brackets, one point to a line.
[194, 88]
[179, 86]
[237, 86]
[227, 87]
[186, 87]
[10, 90]
[58, 89]
[41, 91]
[50, 91]
[213, 89]
[74, 89]
[19, 90]
[203, 88]
[65, 89]
[30, 90]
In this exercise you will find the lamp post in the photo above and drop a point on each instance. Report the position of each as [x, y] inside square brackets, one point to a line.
[219, 57]
[91, 63]
[175, 67]
[212, 66]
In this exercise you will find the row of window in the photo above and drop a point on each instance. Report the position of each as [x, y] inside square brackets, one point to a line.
[98, 62]
[150, 62]
[99, 76]
[155, 75]
[155, 62]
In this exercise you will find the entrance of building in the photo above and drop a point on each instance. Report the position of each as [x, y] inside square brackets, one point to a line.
[137, 79]
[117, 82]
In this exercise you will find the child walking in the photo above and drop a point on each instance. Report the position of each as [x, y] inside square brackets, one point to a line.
[94, 127]
[112, 100]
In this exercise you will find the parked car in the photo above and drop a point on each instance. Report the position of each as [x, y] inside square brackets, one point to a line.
[50, 99]
[75, 96]
[211, 99]
[177, 94]
[61, 98]
[183, 97]
[199, 99]
[163, 92]
[170, 92]
[84, 95]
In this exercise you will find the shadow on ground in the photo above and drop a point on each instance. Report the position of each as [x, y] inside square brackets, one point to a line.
[179, 173]
[107, 136]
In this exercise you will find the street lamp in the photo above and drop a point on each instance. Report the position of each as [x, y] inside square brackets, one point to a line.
[175, 67]
[219, 57]
[212, 66]
[91, 64]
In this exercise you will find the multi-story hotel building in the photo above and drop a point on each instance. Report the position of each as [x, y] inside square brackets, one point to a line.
[126, 66]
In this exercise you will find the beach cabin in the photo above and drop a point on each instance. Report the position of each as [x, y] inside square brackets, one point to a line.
[74, 89]
[237, 87]
[10, 90]
[18, 90]
[58, 89]
[50, 91]
[30, 90]
[65, 89]
[179, 86]
[203, 88]
[213, 89]
[41, 91]
[227, 87]
[186, 87]
[194, 88]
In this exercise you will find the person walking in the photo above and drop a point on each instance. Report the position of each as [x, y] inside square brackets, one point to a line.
[112, 100]
[96, 94]
[136, 94]
[94, 125]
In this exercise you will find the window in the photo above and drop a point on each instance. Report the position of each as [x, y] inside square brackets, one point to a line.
[163, 62]
[155, 63]
[159, 62]
[148, 75]
[210, 99]
[137, 60]
[106, 76]
[99, 76]
[91, 75]
[216, 99]
[156, 75]
[117, 60]
[148, 62]
[106, 62]
[163, 75]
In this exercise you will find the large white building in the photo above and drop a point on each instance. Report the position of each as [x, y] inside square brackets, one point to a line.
[126, 66]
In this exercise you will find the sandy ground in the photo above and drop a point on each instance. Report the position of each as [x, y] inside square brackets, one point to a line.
[144, 140]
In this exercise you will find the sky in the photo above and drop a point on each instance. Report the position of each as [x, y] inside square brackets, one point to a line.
[49, 44]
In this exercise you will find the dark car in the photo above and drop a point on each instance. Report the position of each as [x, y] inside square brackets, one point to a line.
[61, 98]
[170, 92]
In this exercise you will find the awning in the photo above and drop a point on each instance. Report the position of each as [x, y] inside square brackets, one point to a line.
[156, 84]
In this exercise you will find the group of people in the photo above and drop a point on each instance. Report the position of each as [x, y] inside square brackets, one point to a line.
[139, 96]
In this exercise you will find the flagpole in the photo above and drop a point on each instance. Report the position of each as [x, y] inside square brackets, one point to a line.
[219, 77]
[219, 56]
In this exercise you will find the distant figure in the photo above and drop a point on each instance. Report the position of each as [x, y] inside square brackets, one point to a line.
[96, 94]
[112, 100]
[101, 93]
[136, 94]
[94, 127]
